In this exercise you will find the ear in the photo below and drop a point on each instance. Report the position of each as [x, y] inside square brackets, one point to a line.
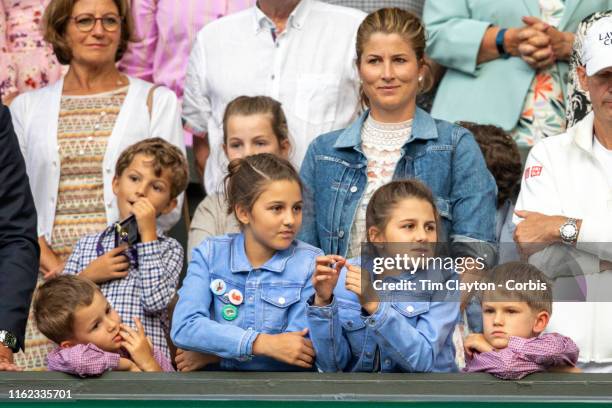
[171, 206]
[242, 214]
[582, 77]
[285, 146]
[541, 321]
[376, 235]
[67, 343]
[115, 185]
[225, 149]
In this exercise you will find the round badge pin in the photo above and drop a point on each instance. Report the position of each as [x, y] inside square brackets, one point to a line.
[235, 297]
[218, 287]
[229, 312]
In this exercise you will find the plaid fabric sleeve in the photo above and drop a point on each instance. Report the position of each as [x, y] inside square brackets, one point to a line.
[159, 266]
[525, 356]
[83, 360]
[163, 361]
[72, 264]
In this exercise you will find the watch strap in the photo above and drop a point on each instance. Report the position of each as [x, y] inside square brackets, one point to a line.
[499, 42]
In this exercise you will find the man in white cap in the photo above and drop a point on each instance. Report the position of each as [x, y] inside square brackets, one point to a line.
[566, 203]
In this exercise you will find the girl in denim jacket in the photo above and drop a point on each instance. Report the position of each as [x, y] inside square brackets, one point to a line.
[242, 303]
[354, 328]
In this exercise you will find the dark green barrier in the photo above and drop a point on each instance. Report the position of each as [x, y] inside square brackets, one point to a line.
[225, 389]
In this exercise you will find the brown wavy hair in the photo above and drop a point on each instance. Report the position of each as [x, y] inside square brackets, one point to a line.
[502, 156]
[56, 18]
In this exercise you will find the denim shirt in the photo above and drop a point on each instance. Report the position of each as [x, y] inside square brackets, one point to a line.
[274, 301]
[410, 334]
[442, 155]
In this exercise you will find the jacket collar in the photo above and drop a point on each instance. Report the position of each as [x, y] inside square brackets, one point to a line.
[582, 133]
[423, 128]
[297, 18]
[240, 263]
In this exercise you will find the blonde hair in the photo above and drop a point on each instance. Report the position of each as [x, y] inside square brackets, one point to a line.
[395, 21]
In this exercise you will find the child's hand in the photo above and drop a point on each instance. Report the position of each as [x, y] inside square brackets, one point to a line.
[359, 283]
[125, 364]
[112, 265]
[325, 278]
[192, 360]
[291, 348]
[476, 342]
[146, 216]
[139, 346]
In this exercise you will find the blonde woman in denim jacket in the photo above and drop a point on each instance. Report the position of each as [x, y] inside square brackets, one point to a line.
[394, 140]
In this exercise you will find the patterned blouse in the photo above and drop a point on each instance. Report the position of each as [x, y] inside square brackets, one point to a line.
[85, 124]
[382, 145]
[543, 112]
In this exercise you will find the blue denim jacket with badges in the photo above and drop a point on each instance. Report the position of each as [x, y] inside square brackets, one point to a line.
[442, 155]
[274, 301]
[411, 333]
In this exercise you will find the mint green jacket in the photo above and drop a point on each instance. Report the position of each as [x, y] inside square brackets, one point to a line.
[492, 92]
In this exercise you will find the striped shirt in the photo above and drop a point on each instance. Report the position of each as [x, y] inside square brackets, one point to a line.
[149, 286]
[167, 29]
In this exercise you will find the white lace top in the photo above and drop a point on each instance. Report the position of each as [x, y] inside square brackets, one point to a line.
[382, 145]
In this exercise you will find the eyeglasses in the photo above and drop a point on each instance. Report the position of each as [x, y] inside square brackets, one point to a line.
[86, 22]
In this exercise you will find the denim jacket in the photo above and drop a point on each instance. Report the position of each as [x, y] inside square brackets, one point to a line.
[274, 301]
[442, 155]
[410, 334]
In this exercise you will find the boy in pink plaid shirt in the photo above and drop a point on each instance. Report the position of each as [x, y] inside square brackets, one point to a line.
[513, 344]
[73, 312]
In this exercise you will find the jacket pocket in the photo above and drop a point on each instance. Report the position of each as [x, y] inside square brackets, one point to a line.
[411, 309]
[276, 302]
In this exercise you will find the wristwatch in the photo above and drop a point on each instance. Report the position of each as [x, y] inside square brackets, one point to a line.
[9, 340]
[569, 231]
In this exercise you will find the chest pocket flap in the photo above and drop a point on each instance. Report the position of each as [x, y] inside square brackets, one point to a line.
[281, 296]
[411, 309]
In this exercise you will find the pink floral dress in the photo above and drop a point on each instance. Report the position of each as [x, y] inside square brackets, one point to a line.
[27, 62]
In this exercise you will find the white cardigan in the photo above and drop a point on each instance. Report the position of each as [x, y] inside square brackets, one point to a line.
[35, 118]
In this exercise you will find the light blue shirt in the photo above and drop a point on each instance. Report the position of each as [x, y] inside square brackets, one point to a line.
[410, 334]
[274, 301]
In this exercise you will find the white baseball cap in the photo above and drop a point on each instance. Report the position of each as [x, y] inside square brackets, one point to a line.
[598, 46]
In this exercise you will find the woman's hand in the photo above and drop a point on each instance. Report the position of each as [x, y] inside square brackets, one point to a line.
[54, 272]
[139, 346]
[49, 261]
[561, 42]
[535, 44]
[192, 360]
[291, 348]
[325, 277]
[112, 265]
[359, 283]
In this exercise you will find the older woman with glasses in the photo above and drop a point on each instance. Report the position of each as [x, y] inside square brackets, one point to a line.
[72, 132]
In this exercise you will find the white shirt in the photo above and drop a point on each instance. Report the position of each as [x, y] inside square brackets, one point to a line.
[563, 176]
[35, 118]
[310, 69]
[604, 156]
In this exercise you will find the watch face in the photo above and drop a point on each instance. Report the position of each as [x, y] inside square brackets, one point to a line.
[568, 231]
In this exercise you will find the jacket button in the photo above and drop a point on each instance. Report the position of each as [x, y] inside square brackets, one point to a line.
[368, 354]
[354, 189]
[410, 308]
[281, 300]
[387, 362]
[341, 234]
